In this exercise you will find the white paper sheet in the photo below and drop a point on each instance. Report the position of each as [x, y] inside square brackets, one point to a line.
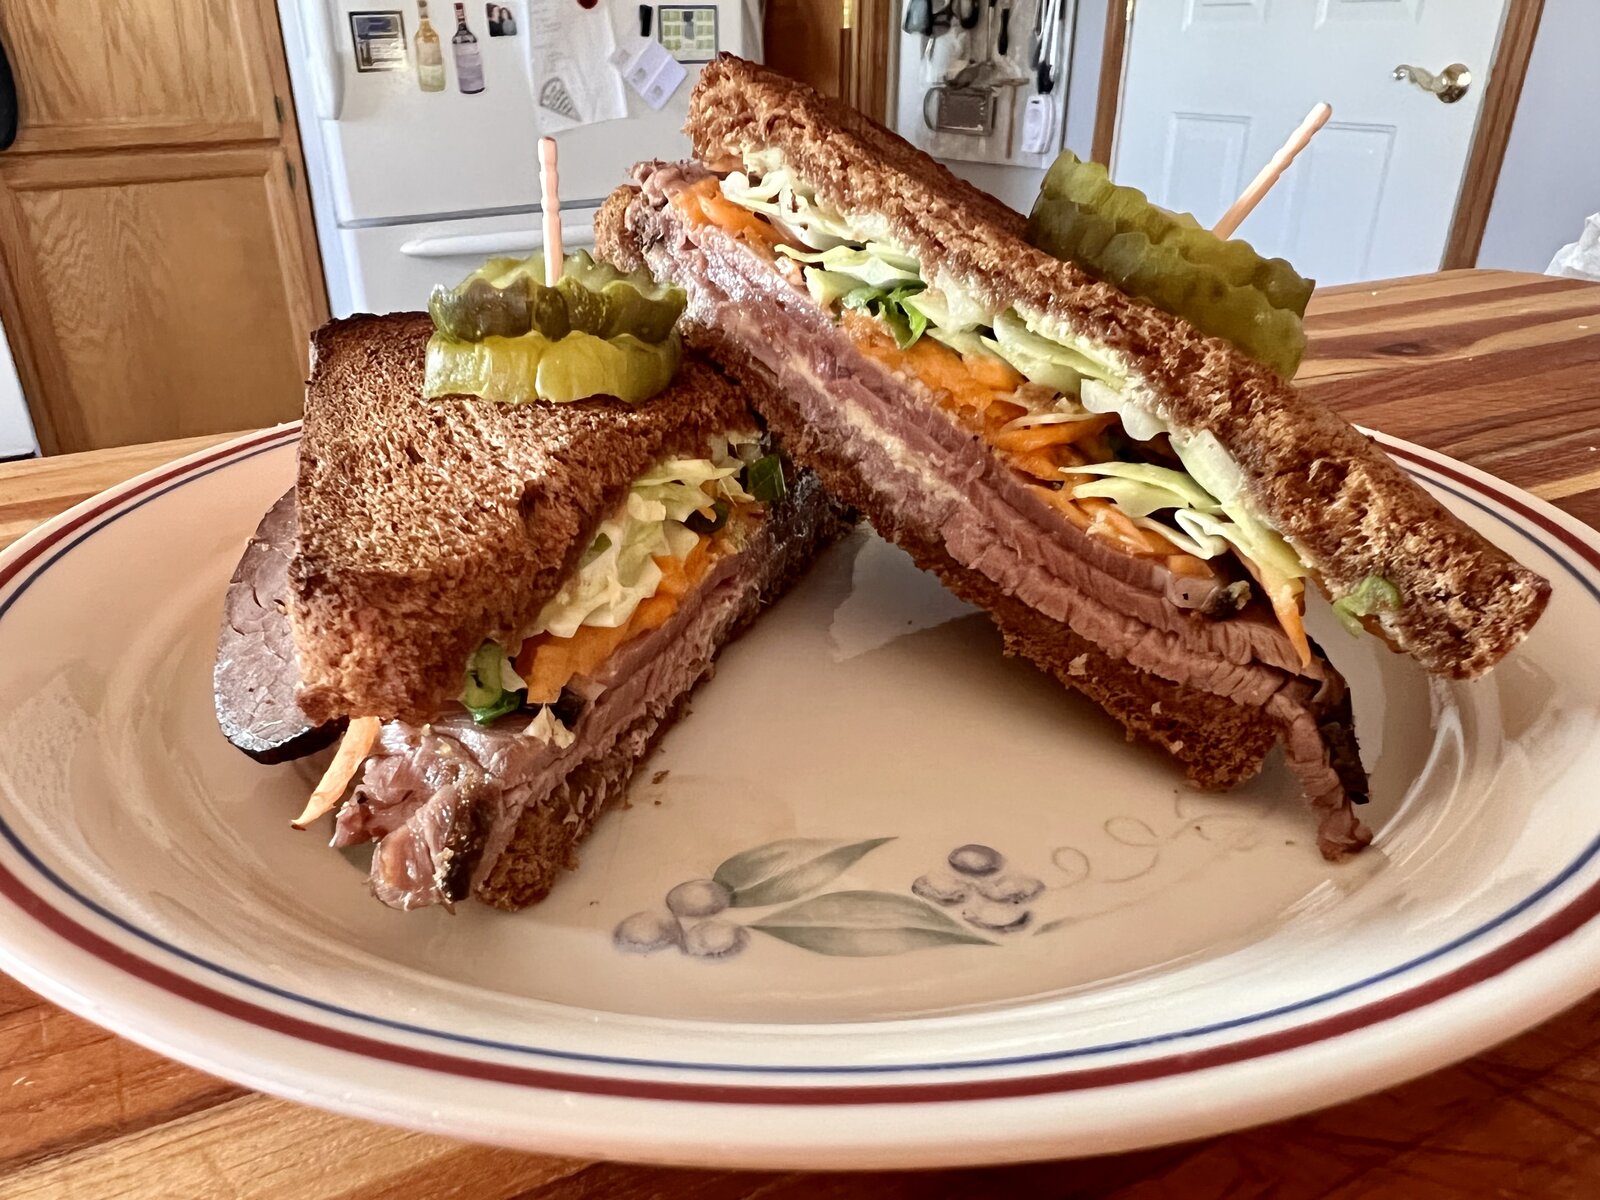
[569, 51]
[649, 70]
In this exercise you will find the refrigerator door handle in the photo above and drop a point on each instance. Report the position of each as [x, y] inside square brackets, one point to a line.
[520, 241]
[317, 31]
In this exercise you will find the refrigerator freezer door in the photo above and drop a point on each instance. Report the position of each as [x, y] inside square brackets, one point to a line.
[396, 152]
[394, 267]
[16, 429]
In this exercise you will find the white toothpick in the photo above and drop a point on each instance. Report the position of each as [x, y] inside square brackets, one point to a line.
[550, 199]
[1262, 183]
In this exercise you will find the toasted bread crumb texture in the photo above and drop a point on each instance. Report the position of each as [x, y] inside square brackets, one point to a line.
[426, 526]
[1340, 501]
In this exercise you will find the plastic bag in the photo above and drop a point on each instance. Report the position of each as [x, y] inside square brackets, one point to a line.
[1581, 259]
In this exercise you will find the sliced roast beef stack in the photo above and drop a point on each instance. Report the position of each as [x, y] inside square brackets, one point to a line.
[255, 675]
[1123, 629]
[443, 800]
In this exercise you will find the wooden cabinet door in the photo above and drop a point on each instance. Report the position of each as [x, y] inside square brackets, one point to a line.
[158, 265]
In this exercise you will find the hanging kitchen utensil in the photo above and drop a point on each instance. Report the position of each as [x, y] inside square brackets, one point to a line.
[1049, 48]
[968, 110]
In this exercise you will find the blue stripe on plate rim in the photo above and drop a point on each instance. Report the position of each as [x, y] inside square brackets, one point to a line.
[248, 451]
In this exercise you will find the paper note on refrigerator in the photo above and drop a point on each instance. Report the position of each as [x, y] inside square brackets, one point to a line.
[649, 70]
[569, 51]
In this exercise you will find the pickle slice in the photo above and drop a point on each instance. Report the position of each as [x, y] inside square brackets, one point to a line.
[1221, 286]
[516, 370]
[506, 297]
[582, 365]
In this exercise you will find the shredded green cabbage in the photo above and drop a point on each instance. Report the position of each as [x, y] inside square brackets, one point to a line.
[873, 264]
[1049, 362]
[1373, 594]
[1140, 489]
[778, 196]
[618, 572]
[1202, 524]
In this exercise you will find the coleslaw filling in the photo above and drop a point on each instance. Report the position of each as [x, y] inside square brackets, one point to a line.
[1059, 409]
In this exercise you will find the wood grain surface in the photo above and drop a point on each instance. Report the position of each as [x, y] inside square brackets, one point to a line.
[1500, 370]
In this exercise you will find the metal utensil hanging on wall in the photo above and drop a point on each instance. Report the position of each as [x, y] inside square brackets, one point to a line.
[1048, 63]
[921, 17]
[969, 110]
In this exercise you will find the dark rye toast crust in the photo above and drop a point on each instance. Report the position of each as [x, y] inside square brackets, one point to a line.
[546, 839]
[1348, 510]
[426, 526]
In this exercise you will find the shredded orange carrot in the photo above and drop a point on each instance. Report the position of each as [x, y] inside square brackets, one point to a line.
[1041, 464]
[998, 413]
[1188, 564]
[1107, 520]
[1286, 600]
[353, 750]
[548, 663]
[993, 373]
[704, 204]
[1037, 437]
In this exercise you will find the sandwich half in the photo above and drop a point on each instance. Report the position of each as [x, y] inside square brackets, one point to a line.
[507, 604]
[1139, 506]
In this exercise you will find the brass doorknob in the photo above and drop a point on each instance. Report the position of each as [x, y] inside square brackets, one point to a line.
[1449, 84]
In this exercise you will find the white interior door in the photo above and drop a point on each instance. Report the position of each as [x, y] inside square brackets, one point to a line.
[1214, 87]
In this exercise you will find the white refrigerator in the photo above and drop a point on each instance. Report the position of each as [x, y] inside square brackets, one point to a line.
[412, 187]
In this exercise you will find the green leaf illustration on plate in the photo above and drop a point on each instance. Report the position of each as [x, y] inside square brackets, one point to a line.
[789, 869]
[864, 924]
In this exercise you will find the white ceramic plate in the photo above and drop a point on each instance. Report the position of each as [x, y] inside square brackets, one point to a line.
[1189, 964]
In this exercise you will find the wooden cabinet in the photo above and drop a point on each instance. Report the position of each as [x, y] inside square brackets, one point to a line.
[839, 47]
[158, 265]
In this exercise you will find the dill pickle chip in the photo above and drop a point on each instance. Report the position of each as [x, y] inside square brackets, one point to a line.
[582, 365]
[552, 316]
[531, 367]
[1221, 286]
[477, 309]
[503, 335]
[1283, 286]
[631, 311]
[496, 368]
[586, 309]
[507, 297]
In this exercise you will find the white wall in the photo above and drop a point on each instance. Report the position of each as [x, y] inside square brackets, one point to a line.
[1551, 178]
[1018, 186]
[16, 430]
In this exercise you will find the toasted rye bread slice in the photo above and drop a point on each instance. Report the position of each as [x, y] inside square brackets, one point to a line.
[427, 526]
[1343, 505]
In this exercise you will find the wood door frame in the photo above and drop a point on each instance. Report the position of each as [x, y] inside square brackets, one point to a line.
[867, 32]
[1485, 157]
[304, 223]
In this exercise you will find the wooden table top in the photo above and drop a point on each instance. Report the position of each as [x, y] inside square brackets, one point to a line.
[1498, 369]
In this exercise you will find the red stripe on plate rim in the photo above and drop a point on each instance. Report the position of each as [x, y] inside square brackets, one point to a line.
[1572, 916]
